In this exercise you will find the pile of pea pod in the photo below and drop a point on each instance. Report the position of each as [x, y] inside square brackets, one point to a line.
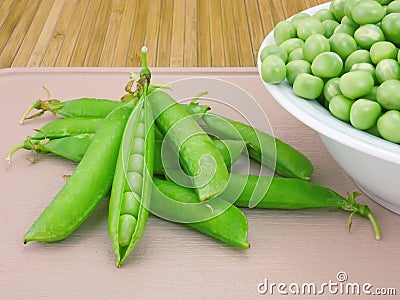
[117, 145]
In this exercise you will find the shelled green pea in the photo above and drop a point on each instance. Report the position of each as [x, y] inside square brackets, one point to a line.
[315, 45]
[387, 69]
[273, 69]
[296, 67]
[308, 86]
[332, 89]
[364, 113]
[383, 50]
[389, 126]
[388, 95]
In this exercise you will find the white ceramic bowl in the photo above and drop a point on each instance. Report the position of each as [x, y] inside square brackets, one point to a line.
[373, 163]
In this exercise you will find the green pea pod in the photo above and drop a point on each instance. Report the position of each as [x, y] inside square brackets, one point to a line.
[291, 194]
[67, 127]
[198, 154]
[87, 186]
[83, 107]
[71, 147]
[131, 189]
[229, 226]
[286, 161]
[229, 149]
[75, 134]
[90, 108]
[81, 131]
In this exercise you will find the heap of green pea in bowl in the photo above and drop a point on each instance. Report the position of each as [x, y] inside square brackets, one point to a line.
[117, 145]
[346, 57]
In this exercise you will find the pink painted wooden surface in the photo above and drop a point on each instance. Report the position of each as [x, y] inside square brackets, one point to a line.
[172, 261]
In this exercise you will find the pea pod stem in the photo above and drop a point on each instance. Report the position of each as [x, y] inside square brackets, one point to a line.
[29, 144]
[27, 112]
[15, 149]
[362, 210]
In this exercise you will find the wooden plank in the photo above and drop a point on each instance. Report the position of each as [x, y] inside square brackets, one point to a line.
[10, 23]
[242, 34]
[311, 3]
[178, 34]
[165, 34]
[125, 33]
[82, 44]
[152, 31]
[138, 34]
[33, 33]
[72, 34]
[217, 41]
[291, 7]
[277, 10]
[111, 33]
[111, 36]
[15, 40]
[190, 43]
[255, 26]
[5, 8]
[229, 35]
[58, 36]
[46, 34]
[97, 38]
[267, 16]
[203, 34]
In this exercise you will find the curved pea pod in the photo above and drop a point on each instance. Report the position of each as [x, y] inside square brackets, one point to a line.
[131, 189]
[229, 149]
[87, 186]
[199, 156]
[291, 194]
[227, 225]
[261, 146]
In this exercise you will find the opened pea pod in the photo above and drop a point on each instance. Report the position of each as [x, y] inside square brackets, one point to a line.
[132, 184]
[131, 189]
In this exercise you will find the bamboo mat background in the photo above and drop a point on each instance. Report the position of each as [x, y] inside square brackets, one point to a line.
[178, 33]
